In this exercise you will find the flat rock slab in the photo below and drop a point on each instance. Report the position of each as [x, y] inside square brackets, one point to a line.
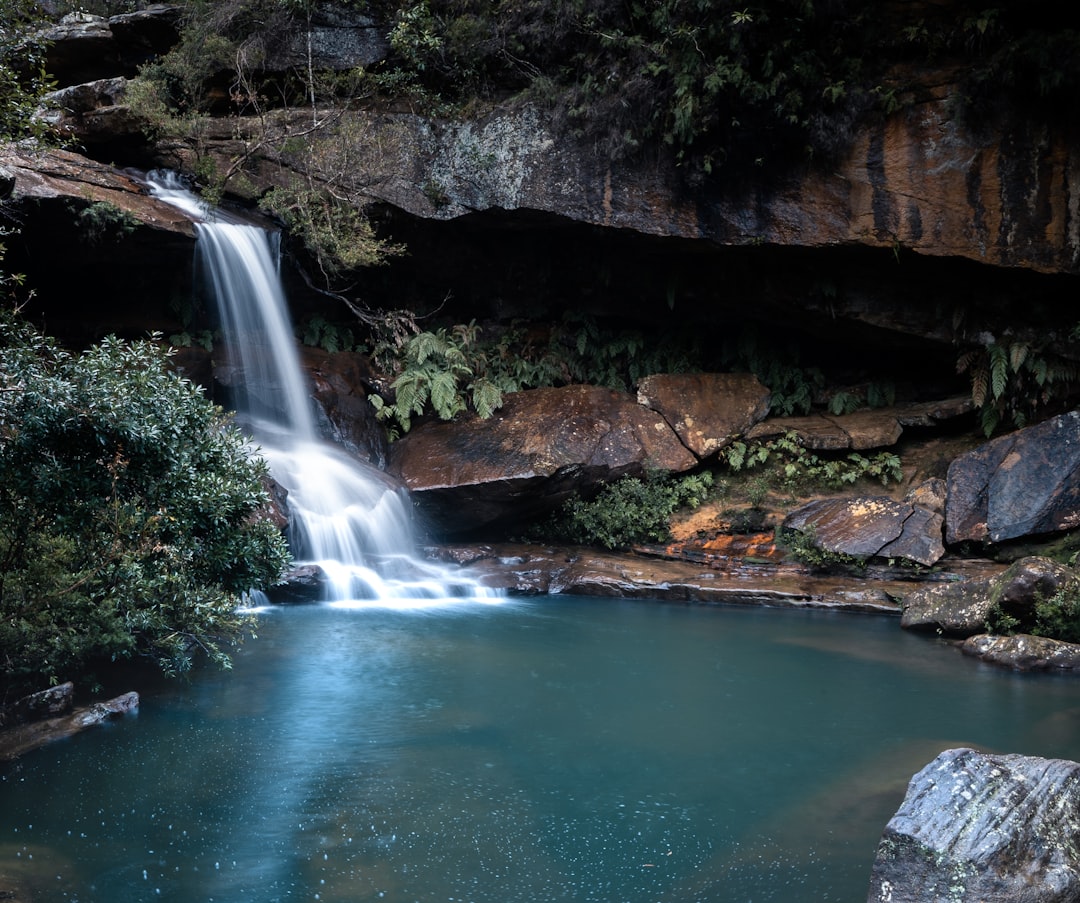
[65, 176]
[978, 828]
[524, 569]
[861, 430]
[708, 411]
[822, 432]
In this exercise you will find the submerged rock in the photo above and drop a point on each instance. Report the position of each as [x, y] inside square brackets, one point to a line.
[23, 738]
[978, 828]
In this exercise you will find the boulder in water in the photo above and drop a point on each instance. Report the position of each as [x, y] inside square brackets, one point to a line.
[979, 828]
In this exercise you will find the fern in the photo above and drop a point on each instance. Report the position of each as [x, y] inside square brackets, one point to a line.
[999, 370]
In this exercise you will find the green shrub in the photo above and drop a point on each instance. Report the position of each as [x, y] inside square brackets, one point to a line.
[1056, 617]
[1059, 616]
[629, 511]
[131, 511]
[23, 79]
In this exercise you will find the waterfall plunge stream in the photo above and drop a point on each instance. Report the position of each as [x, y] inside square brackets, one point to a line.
[345, 516]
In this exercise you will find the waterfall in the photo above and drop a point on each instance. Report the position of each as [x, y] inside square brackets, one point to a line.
[346, 517]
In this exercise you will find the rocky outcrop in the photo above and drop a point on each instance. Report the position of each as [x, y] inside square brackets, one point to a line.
[541, 447]
[1019, 484]
[93, 113]
[335, 37]
[871, 527]
[339, 382]
[82, 47]
[980, 828]
[955, 609]
[1026, 583]
[64, 177]
[917, 181]
[708, 411]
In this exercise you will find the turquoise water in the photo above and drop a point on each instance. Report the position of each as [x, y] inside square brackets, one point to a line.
[555, 749]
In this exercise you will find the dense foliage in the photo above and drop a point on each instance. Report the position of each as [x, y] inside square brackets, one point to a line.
[629, 511]
[22, 72]
[130, 511]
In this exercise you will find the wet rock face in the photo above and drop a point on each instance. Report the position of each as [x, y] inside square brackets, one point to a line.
[1023, 483]
[345, 416]
[534, 453]
[987, 828]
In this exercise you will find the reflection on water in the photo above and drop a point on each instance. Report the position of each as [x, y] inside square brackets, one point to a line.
[556, 749]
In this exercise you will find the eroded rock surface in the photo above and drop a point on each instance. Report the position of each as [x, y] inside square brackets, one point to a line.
[867, 527]
[979, 828]
[963, 608]
[61, 176]
[1024, 652]
[82, 47]
[956, 609]
[708, 411]
[538, 449]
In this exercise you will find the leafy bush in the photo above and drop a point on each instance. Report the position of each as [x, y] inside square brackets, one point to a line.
[1059, 616]
[23, 79]
[336, 233]
[442, 372]
[130, 511]
[628, 511]
[1056, 617]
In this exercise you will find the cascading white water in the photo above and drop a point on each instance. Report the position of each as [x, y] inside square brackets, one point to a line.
[345, 516]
